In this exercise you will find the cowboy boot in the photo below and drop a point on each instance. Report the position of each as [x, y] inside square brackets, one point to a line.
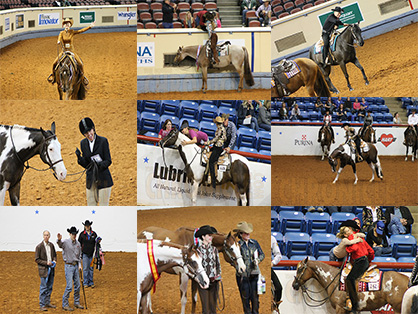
[213, 42]
[348, 306]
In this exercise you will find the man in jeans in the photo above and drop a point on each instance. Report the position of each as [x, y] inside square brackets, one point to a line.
[46, 258]
[87, 240]
[71, 253]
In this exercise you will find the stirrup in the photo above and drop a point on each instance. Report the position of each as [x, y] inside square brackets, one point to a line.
[51, 79]
[85, 80]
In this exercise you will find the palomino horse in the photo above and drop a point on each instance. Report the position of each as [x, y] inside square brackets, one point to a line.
[344, 154]
[226, 244]
[368, 135]
[18, 144]
[166, 255]
[238, 57]
[325, 138]
[239, 173]
[393, 285]
[410, 301]
[411, 141]
[344, 53]
[69, 78]
[310, 76]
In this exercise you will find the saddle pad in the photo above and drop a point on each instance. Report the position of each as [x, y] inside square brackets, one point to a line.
[320, 44]
[293, 71]
[222, 50]
[370, 281]
[364, 147]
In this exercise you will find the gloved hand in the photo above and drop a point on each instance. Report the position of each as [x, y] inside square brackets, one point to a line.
[77, 152]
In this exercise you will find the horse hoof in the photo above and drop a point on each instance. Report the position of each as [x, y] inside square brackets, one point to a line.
[355, 182]
[367, 83]
[350, 89]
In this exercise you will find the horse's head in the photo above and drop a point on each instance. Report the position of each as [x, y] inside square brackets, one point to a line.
[356, 31]
[232, 253]
[193, 267]
[170, 139]
[333, 162]
[179, 56]
[51, 153]
[64, 76]
[303, 273]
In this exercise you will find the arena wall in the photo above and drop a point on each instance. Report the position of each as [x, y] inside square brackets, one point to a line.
[175, 190]
[28, 23]
[157, 74]
[293, 35]
[21, 229]
[303, 140]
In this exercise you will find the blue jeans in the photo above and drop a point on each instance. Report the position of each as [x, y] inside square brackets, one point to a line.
[87, 270]
[167, 25]
[244, 16]
[264, 126]
[248, 291]
[333, 258]
[378, 250]
[253, 125]
[45, 289]
[71, 274]
[396, 227]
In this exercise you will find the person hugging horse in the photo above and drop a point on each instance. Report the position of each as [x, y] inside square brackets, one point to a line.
[327, 124]
[196, 137]
[66, 39]
[350, 134]
[218, 143]
[361, 254]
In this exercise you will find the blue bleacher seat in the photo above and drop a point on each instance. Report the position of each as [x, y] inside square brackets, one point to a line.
[288, 208]
[388, 117]
[385, 259]
[247, 137]
[323, 258]
[151, 105]
[403, 245]
[304, 115]
[378, 117]
[279, 238]
[406, 259]
[264, 140]
[192, 123]
[337, 218]
[170, 107]
[274, 221]
[231, 111]
[322, 243]
[189, 109]
[208, 127]
[207, 112]
[313, 115]
[291, 221]
[383, 109]
[175, 121]
[301, 257]
[149, 121]
[267, 153]
[297, 243]
[249, 150]
[317, 222]
[374, 108]
[310, 107]
[151, 134]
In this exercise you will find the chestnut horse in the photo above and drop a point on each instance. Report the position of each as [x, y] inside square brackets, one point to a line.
[411, 141]
[368, 135]
[325, 138]
[226, 244]
[393, 288]
[69, 78]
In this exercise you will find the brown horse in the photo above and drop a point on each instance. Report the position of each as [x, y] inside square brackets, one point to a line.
[368, 134]
[310, 76]
[411, 140]
[394, 286]
[325, 138]
[238, 57]
[346, 157]
[69, 78]
[226, 244]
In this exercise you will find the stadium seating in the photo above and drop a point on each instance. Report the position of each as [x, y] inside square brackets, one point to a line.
[297, 243]
[189, 109]
[338, 218]
[150, 122]
[208, 127]
[322, 243]
[279, 238]
[274, 221]
[247, 137]
[207, 112]
[291, 221]
[403, 245]
[317, 222]
[174, 120]
[169, 107]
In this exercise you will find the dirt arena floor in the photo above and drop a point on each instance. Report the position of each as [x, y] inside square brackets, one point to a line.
[300, 180]
[114, 291]
[110, 68]
[114, 119]
[166, 299]
[390, 62]
[210, 95]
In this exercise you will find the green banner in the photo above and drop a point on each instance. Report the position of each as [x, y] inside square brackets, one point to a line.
[87, 17]
[352, 14]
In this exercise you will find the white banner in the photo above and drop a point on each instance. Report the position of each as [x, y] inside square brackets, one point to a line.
[303, 140]
[7, 24]
[45, 19]
[145, 54]
[124, 16]
[161, 185]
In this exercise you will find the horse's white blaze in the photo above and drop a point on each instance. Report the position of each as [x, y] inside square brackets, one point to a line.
[201, 272]
[237, 251]
[54, 152]
[148, 235]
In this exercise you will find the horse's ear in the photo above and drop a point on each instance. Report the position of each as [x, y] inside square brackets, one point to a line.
[358, 22]
[53, 127]
[305, 260]
[43, 132]
[229, 234]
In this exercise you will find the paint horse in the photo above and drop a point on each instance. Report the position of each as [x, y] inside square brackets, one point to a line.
[410, 301]
[237, 56]
[239, 173]
[164, 255]
[346, 157]
[225, 244]
[325, 137]
[394, 285]
[18, 144]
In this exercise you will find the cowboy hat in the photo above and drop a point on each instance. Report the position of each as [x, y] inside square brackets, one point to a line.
[218, 119]
[86, 125]
[244, 226]
[87, 223]
[204, 230]
[225, 116]
[350, 223]
[67, 20]
[345, 124]
[72, 230]
[338, 9]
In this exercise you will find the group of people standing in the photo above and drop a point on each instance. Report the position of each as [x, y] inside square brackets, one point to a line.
[77, 255]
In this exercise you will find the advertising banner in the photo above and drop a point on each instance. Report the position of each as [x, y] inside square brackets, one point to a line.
[125, 16]
[46, 19]
[303, 140]
[20, 21]
[87, 17]
[7, 24]
[352, 14]
[145, 54]
[162, 181]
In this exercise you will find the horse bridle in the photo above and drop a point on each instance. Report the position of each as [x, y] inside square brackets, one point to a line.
[227, 251]
[165, 140]
[194, 272]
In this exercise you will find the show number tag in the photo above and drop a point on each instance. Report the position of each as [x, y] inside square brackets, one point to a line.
[222, 168]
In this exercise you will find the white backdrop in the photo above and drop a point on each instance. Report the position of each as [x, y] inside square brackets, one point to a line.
[303, 140]
[156, 191]
[21, 228]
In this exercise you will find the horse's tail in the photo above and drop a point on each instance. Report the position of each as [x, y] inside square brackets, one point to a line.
[82, 91]
[321, 86]
[247, 70]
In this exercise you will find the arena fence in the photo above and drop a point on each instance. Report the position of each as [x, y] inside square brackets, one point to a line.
[157, 49]
[302, 139]
[28, 23]
[164, 183]
[293, 301]
[293, 35]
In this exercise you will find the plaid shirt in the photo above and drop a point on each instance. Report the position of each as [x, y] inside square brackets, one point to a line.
[210, 261]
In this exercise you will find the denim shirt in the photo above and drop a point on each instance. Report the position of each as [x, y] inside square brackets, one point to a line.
[247, 252]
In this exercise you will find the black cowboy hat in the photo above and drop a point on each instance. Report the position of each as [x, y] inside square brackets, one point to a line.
[87, 223]
[72, 230]
[338, 9]
[203, 230]
[86, 125]
[345, 124]
[185, 124]
[350, 223]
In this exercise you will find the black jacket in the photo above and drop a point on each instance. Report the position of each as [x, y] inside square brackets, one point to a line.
[168, 11]
[87, 245]
[101, 173]
[406, 214]
[330, 22]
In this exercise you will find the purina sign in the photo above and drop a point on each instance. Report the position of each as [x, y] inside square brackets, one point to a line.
[145, 54]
